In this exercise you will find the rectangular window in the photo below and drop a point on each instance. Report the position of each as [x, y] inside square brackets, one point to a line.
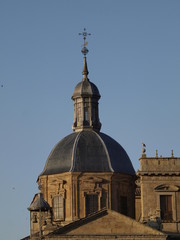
[58, 207]
[86, 115]
[166, 207]
[94, 114]
[91, 203]
[34, 218]
[123, 205]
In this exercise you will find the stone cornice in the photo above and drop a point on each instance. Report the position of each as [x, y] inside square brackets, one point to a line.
[158, 173]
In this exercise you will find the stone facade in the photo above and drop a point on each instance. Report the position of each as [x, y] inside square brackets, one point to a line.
[113, 191]
[159, 185]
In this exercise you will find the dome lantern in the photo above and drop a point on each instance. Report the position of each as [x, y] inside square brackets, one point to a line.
[85, 97]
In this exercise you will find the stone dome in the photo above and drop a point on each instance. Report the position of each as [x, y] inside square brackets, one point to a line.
[88, 151]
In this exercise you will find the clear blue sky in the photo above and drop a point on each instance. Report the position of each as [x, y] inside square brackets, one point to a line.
[134, 59]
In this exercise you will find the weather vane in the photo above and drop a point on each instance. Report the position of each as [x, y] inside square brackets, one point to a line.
[84, 50]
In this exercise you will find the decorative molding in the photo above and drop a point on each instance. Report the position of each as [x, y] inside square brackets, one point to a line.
[167, 188]
[93, 180]
[154, 173]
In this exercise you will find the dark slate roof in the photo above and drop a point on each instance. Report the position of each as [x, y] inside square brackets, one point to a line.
[88, 151]
[86, 88]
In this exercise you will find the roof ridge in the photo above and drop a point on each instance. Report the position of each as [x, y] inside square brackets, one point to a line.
[74, 151]
[107, 153]
[80, 221]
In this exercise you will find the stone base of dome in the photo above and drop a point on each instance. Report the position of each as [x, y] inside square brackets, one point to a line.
[84, 193]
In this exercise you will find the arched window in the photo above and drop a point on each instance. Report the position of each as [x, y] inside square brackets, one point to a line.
[58, 208]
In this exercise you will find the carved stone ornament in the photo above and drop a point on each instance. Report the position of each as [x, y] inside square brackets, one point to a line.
[167, 188]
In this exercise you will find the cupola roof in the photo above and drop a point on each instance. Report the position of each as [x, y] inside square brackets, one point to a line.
[88, 151]
[38, 203]
[85, 87]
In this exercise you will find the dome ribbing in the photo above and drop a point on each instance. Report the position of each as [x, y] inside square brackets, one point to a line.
[88, 151]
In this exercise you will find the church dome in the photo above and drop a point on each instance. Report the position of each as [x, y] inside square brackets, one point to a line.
[88, 151]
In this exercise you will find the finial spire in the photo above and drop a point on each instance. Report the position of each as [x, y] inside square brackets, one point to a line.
[85, 69]
[84, 50]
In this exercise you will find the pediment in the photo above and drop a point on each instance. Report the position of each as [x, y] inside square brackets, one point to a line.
[167, 188]
[93, 179]
[106, 223]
